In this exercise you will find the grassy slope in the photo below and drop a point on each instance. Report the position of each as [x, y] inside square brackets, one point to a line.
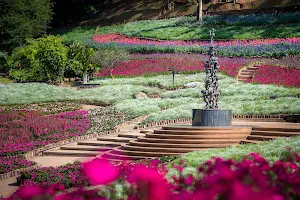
[242, 98]
[271, 150]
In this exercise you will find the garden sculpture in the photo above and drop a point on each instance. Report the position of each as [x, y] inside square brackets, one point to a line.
[211, 93]
[173, 73]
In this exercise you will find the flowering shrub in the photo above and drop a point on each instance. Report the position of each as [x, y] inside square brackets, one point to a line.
[8, 164]
[252, 178]
[153, 64]
[22, 131]
[277, 75]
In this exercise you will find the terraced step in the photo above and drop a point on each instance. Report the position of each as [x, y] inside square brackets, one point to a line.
[71, 153]
[141, 152]
[146, 131]
[114, 139]
[250, 142]
[274, 133]
[246, 73]
[190, 137]
[187, 141]
[276, 129]
[130, 135]
[252, 68]
[203, 128]
[171, 145]
[259, 137]
[121, 156]
[247, 76]
[159, 149]
[100, 143]
[85, 148]
[203, 132]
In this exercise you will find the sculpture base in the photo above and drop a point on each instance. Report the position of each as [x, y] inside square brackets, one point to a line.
[207, 117]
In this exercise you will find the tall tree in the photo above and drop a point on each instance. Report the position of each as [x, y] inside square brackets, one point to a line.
[22, 19]
[199, 11]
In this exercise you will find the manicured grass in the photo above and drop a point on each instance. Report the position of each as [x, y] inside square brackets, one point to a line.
[242, 98]
[5, 80]
[271, 150]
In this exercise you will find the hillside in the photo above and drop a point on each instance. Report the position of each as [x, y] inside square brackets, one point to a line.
[122, 11]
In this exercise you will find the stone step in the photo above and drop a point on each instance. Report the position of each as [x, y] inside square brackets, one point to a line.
[274, 133]
[122, 156]
[244, 79]
[190, 137]
[141, 152]
[130, 135]
[159, 149]
[241, 76]
[85, 148]
[259, 137]
[246, 73]
[187, 141]
[252, 68]
[182, 145]
[76, 153]
[276, 129]
[100, 143]
[250, 142]
[240, 131]
[146, 131]
[114, 139]
[202, 128]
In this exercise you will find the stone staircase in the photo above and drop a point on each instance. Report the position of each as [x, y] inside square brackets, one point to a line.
[246, 73]
[131, 144]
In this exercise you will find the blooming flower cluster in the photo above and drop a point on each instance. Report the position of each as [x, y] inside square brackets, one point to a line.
[289, 77]
[252, 178]
[276, 47]
[180, 62]
[8, 164]
[122, 39]
[22, 131]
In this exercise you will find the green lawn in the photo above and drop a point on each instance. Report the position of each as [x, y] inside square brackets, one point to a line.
[242, 98]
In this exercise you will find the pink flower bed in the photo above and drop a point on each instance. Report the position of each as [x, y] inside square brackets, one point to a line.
[252, 178]
[8, 164]
[155, 65]
[108, 38]
[289, 77]
[26, 130]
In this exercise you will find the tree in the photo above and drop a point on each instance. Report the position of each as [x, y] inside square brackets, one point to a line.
[43, 59]
[80, 56]
[110, 58]
[22, 19]
[199, 11]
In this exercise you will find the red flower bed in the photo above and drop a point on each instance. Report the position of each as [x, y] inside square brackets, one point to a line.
[277, 75]
[252, 178]
[155, 64]
[22, 131]
[116, 38]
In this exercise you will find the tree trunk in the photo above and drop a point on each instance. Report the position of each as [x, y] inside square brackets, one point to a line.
[199, 10]
[85, 77]
[111, 73]
[168, 5]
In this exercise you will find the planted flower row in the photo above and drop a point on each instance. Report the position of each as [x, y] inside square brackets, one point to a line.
[151, 66]
[277, 47]
[30, 130]
[277, 75]
[252, 178]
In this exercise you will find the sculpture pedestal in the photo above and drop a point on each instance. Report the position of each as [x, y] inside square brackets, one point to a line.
[206, 117]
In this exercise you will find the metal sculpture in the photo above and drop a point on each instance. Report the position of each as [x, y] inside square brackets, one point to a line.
[211, 93]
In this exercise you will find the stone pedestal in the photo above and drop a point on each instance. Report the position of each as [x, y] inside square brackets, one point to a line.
[207, 117]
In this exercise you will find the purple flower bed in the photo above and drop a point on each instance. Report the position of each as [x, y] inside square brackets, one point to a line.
[8, 164]
[22, 131]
